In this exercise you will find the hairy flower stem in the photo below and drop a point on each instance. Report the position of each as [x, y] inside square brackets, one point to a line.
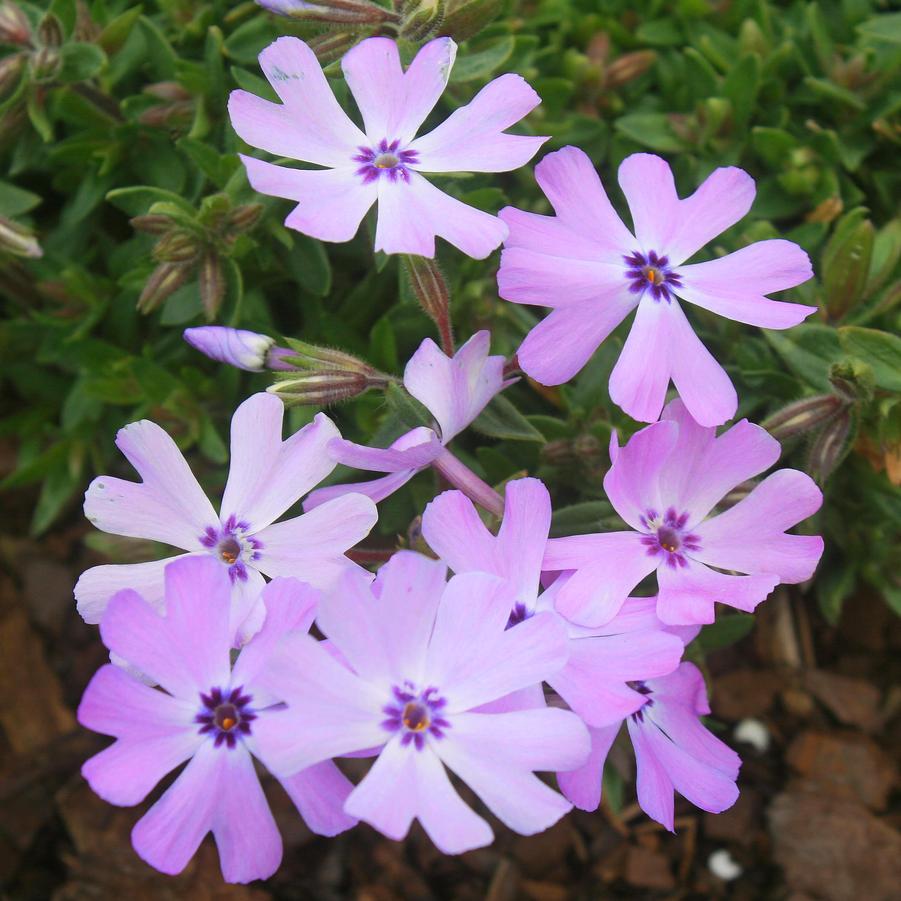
[463, 478]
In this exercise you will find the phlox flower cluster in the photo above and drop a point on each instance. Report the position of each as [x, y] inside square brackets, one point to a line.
[495, 657]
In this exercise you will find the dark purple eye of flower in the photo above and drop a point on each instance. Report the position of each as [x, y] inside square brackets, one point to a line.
[225, 716]
[642, 689]
[232, 544]
[416, 714]
[386, 159]
[651, 273]
[667, 537]
[229, 550]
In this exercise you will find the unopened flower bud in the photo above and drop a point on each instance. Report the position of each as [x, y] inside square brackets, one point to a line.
[236, 347]
[168, 115]
[853, 380]
[152, 224]
[167, 90]
[420, 19]
[243, 218]
[10, 72]
[212, 283]
[465, 18]
[332, 45]
[830, 445]
[165, 280]
[802, 416]
[17, 240]
[628, 67]
[313, 357]
[50, 31]
[334, 12]
[846, 265]
[176, 246]
[431, 291]
[14, 25]
[320, 388]
[45, 64]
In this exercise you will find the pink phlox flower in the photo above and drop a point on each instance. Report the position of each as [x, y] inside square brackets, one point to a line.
[453, 389]
[594, 681]
[267, 476]
[665, 483]
[585, 264]
[674, 751]
[384, 163]
[422, 656]
[205, 713]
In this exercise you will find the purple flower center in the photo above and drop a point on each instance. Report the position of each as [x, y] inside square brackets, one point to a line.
[385, 159]
[415, 714]
[642, 689]
[651, 273]
[668, 538]
[225, 716]
[518, 614]
[232, 544]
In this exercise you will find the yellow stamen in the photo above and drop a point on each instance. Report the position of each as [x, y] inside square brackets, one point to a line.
[228, 723]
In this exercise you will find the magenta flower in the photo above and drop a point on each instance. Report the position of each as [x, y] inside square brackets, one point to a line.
[673, 750]
[206, 712]
[237, 347]
[385, 163]
[267, 477]
[453, 389]
[587, 266]
[632, 646]
[664, 483]
[421, 658]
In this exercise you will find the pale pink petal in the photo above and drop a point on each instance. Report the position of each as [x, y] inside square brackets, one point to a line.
[413, 213]
[455, 390]
[268, 475]
[319, 793]
[289, 605]
[528, 698]
[170, 833]
[647, 182]
[375, 77]
[248, 840]
[702, 383]
[331, 711]
[168, 505]
[454, 530]
[749, 536]
[687, 594]
[733, 286]
[310, 125]
[97, 585]
[559, 346]
[472, 138]
[574, 189]
[423, 84]
[375, 489]
[684, 686]
[332, 202]
[723, 198]
[652, 782]
[311, 546]
[641, 375]
[548, 235]
[582, 786]
[247, 609]
[413, 450]
[633, 482]
[704, 468]
[548, 279]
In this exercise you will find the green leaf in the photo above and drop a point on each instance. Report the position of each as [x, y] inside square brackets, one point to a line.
[309, 265]
[649, 130]
[482, 63]
[880, 350]
[137, 200]
[809, 350]
[727, 630]
[580, 519]
[59, 488]
[14, 200]
[80, 61]
[407, 409]
[501, 419]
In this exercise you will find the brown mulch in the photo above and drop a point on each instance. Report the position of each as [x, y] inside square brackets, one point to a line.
[819, 815]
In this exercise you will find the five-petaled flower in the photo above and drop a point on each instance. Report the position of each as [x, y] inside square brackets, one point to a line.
[267, 476]
[664, 483]
[585, 264]
[205, 712]
[385, 162]
[673, 751]
[418, 659]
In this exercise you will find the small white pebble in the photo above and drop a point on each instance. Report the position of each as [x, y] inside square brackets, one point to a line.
[721, 864]
[754, 733]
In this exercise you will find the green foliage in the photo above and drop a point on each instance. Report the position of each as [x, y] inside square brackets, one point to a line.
[113, 110]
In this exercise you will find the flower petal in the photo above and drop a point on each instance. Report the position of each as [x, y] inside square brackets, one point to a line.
[311, 546]
[268, 475]
[547, 280]
[319, 793]
[551, 235]
[168, 505]
[652, 782]
[582, 786]
[647, 181]
[413, 213]
[454, 530]
[423, 84]
[413, 450]
[749, 536]
[248, 840]
[455, 390]
[375, 489]
[375, 77]
[310, 125]
[472, 138]
[559, 346]
[332, 202]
